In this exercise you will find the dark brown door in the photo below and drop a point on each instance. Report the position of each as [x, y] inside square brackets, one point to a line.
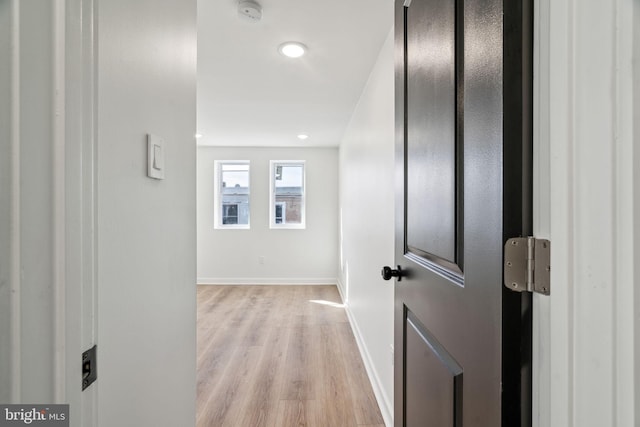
[463, 95]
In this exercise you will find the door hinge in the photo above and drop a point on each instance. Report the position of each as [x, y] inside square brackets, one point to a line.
[527, 265]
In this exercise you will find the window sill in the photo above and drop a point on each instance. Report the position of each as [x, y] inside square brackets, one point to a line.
[287, 227]
[232, 227]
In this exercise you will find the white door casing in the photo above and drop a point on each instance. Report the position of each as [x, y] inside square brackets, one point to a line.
[80, 185]
[48, 147]
[586, 188]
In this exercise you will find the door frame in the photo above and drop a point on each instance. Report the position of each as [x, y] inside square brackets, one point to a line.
[80, 54]
[54, 116]
[587, 201]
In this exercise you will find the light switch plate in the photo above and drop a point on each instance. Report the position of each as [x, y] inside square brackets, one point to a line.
[155, 157]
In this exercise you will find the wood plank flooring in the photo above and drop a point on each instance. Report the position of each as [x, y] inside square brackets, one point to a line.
[279, 356]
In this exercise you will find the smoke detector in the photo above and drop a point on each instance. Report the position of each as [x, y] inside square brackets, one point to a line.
[250, 10]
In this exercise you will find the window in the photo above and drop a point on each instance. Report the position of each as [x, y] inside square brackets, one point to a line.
[287, 195]
[231, 196]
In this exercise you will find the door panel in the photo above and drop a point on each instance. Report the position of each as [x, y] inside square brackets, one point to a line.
[462, 167]
[431, 130]
[433, 379]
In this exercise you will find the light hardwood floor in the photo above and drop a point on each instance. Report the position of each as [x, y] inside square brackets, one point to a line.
[279, 356]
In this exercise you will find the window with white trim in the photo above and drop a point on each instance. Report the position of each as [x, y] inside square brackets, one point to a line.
[287, 194]
[231, 198]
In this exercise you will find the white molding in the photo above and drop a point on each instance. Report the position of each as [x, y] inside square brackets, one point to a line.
[541, 328]
[585, 370]
[265, 281]
[16, 281]
[384, 402]
[58, 108]
[560, 344]
[625, 257]
[84, 17]
[79, 185]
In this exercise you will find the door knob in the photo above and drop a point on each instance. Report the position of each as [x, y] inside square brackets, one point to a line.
[387, 273]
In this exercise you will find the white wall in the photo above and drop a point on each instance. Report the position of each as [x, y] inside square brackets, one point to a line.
[587, 189]
[367, 224]
[307, 255]
[146, 227]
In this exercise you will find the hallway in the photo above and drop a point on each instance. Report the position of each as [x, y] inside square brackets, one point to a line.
[279, 356]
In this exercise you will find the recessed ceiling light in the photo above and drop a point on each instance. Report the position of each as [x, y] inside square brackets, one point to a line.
[198, 135]
[303, 136]
[292, 49]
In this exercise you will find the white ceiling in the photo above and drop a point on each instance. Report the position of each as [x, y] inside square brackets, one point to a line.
[251, 95]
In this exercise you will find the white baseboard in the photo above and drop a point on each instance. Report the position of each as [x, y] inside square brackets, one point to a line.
[266, 281]
[386, 406]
